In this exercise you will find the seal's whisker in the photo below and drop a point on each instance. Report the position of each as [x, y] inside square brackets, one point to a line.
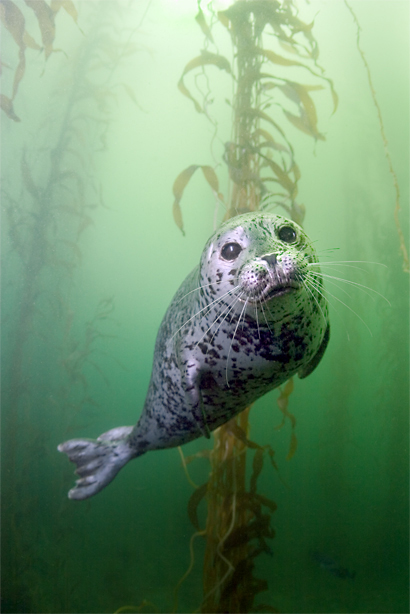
[306, 285]
[232, 340]
[264, 315]
[196, 290]
[337, 265]
[348, 307]
[328, 281]
[257, 321]
[342, 289]
[227, 309]
[350, 262]
[201, 310]
[312, 284]
[354, 284]
[326, 249]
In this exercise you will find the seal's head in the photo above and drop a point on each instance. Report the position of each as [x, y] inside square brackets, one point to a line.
[264, 259]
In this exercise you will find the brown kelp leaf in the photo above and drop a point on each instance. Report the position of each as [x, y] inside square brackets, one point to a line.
[296, 171]
[267, 502]
[67, 5]
[272, 459]
[182, 180]
[223, 19]
[283, 401]
[293, 445]
[282, 177]
[334, 96]
[7, 105]
[211, 177]
[13, 19]
[264, 133]
[278, 59]
[178, 188]
[307, 103]
[176, 212]
[269, 141]
[241, 435]
[131, 94]
[299, 95]
[185, 91]
[288, 48]
[302, 123]
[70, 9]
[314, 88]
[204, 59]
[45, 18]
[194, 500]
[251, 112]
[18, 75]
[201, 21]
[30, 42]
[257, 467]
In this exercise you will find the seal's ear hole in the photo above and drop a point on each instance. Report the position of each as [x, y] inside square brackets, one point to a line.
[231, 251]
[287, 234]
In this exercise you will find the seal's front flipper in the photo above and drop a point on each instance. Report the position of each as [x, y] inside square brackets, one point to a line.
[311, 366]
[193, 392]
[98, 460]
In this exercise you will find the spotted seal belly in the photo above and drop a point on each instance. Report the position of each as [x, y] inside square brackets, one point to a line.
[249, 317]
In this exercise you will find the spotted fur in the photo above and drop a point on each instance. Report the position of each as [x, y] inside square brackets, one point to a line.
[237, 328]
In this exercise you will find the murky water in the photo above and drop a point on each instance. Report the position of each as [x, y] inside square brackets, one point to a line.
[92, 257]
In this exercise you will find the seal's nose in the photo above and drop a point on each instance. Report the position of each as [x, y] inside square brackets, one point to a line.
[270, 259]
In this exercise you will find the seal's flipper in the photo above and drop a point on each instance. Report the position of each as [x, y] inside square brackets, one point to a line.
[98, 460]
[192, 380]
[311, 366]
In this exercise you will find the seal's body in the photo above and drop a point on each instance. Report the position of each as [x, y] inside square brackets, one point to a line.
[252, 315]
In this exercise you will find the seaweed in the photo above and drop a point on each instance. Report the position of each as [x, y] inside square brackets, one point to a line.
[397, 208]
[261, 165]
[260, 153]
[49, 199]
[260, 161]
[15, 22]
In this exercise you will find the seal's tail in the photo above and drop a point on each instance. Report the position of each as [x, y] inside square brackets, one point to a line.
[98, 460]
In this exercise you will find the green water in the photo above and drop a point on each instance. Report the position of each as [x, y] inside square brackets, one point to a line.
[88, 274]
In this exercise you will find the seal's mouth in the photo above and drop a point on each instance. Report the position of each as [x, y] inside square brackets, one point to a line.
[278, 291]
[269, 293]
[260, 283]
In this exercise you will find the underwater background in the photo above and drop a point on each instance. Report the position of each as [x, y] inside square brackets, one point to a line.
[93, 138]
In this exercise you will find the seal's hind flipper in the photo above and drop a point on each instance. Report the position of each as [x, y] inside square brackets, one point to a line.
[98, 460]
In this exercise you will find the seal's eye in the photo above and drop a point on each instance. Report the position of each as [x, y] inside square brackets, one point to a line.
[287, 234]
[231, 251]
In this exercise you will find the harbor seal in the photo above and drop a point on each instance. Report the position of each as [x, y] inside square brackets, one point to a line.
[249, 317]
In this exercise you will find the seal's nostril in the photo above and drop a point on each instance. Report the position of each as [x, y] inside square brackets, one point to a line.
[270, 259]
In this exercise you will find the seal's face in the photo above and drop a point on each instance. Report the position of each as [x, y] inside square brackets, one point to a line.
[264, 257]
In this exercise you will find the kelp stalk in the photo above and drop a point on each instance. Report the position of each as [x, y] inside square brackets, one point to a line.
[258, 157]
